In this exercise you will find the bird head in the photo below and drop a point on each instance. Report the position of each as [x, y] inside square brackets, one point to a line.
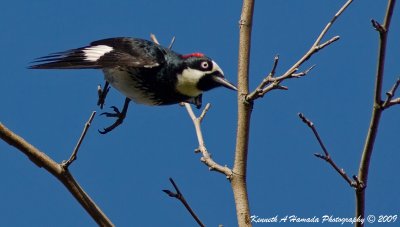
[200, 74]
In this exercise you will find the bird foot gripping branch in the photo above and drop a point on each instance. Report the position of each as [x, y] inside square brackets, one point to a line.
[143, 71]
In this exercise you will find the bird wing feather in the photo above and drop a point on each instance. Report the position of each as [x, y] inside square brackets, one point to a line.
[106, 53]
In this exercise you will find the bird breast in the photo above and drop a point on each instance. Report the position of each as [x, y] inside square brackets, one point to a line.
[129, 86]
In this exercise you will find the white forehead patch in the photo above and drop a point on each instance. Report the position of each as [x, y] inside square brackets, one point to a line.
[93, 53]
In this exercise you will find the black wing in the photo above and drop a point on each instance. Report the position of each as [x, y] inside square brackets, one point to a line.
[106, 53]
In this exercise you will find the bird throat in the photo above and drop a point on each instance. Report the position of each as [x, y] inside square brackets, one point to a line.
[187, 82]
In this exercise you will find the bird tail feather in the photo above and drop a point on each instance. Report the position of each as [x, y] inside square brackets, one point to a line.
[70, 59]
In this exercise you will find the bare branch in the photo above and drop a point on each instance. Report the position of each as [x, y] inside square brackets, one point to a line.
[326, 156]
[238, 181]
[206, 156]
[62, 174]
[65, 164]
[377, 110]
[274, 83]
[390, 94]
[270, 83]
[178, 195]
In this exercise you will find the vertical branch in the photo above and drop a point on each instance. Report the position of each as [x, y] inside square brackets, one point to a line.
[377, 109]
[238, 180]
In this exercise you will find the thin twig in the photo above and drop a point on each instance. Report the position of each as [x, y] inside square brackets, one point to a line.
[62, 174]
[203, 113]
[178, 195]
[390, 94]
[266, 80]
[321, 46]
[172, 43]
[154, 39]
[271, 83]
[206, 156]
[326, 156]
[394, 102]
[65, 164]
[301, 74]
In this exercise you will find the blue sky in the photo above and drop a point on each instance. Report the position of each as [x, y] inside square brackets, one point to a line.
[125, 171]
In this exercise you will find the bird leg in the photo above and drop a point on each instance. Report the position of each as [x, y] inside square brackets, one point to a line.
[120, 115]
[197, 101]
[102, 93]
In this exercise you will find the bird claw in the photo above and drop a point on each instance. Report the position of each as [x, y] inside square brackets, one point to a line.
[120, 115]
[111, 127]
[197, 101]
[117, 114]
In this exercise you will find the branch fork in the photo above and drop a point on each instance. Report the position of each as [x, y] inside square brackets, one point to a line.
[206, 156]
[378, 27]
[326, 156]
[179, 196]
[390, 94]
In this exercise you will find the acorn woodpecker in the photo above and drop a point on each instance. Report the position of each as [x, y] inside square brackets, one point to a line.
[143, 71]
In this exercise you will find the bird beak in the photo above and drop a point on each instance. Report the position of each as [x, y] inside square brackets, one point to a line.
[222, 81]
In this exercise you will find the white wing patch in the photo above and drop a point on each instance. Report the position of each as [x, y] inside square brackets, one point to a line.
[93, 53]
[151, 66]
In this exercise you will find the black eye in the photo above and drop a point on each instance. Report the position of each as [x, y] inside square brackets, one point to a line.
[205, 65]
